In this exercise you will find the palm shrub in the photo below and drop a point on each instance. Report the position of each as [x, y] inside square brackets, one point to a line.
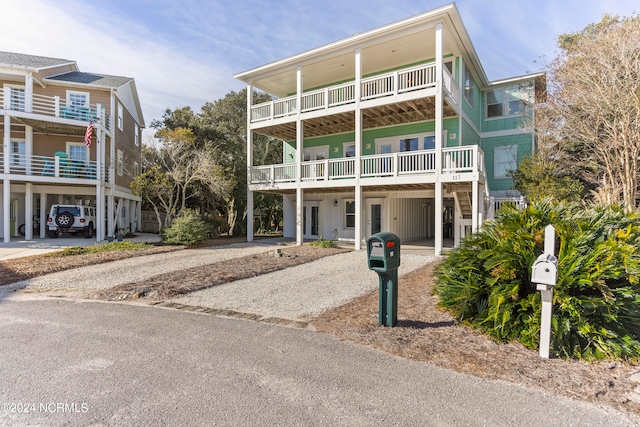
[186, 229]
[486, 281]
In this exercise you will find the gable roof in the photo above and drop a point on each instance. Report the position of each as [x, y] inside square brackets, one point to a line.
[33, 62]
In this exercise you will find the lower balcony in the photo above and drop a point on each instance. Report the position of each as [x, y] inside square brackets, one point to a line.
[45, 168]
[458, 164]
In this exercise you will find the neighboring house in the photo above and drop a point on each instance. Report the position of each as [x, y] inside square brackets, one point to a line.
[394, 129]
[46, 105]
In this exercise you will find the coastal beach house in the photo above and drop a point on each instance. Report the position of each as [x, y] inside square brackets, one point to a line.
[394, 129]
[69, 137]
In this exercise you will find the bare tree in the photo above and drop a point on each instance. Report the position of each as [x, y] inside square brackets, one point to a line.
[593, 106]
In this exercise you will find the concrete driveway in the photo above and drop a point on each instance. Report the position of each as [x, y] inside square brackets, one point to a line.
[19, 247]
[87, 363]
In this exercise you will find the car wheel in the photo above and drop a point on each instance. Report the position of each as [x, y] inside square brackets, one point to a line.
[64, 219]
[53, 233]
[88, 231]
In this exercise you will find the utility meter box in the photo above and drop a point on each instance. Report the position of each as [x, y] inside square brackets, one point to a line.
[383, 252]
[545, 270]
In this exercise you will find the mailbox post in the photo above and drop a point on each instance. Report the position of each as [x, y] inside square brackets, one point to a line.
[544, 273]
[383, 255]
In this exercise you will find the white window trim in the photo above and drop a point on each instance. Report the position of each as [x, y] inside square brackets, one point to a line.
[471, 85]
[87, 96]
[120, 117]
[344, 215]
[394, 141]
[11, 153]
[75, 144]
[505, 105]
[344, 148]
[7, 99]
[136, 135]
[513, 149]
[314, 152]
[120, 163]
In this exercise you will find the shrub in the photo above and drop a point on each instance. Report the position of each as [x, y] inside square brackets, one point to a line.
[322, 243]
[596, 303]
[186, 229]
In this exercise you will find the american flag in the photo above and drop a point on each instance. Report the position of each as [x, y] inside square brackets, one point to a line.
[87, 135]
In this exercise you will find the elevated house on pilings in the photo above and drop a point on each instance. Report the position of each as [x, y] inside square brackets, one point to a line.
[394, 129]
[46, 106]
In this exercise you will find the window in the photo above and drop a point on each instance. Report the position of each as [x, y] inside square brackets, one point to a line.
[120, 165]
[349, 149]
[136, 134]
[430, 142]
[77, 99]
[409, 144]
[18, 157]
[16, 98]
[136, 169]
[469, 85]
[507, 101]
[120, 117]
[504, 159]
[77, 151]
[349, 214]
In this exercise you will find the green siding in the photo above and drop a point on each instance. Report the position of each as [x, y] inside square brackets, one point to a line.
[469, 136]
[522, 141]
[473, 111]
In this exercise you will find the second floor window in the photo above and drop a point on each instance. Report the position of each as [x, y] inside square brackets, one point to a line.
[77, 151]
[469, 86]
[18, 153]
[507, 101]
[136, 135]
[120, 117]
[16, 99]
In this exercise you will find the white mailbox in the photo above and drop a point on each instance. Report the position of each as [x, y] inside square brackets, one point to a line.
[545, 270]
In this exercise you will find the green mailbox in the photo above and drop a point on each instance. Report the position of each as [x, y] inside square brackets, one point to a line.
[383, 257]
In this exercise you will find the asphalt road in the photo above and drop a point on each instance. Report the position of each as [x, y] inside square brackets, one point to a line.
[92, 363]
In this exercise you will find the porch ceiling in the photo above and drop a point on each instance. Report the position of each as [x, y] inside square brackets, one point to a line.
[412, 111]
[448, 188]
[47, 127]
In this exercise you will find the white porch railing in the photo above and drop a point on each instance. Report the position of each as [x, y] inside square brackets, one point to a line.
[52, 106]
[397, 82]
[496, 203]
[53, 167]
[454, 160]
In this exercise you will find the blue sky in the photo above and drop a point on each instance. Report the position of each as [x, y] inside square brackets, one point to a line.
[185, 52]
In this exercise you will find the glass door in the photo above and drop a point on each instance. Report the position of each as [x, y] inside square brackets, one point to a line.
[311, 220]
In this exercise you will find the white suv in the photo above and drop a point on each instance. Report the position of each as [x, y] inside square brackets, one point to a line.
[71, 219]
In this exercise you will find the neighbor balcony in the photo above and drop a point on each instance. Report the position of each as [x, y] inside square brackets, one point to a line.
[458, 164]
[388, 85]
[51, 169]
[52, 106]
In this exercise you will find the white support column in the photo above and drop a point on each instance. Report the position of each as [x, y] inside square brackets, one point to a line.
[475, 208]
[110, 213]
[358, 232]
[360, 219]
[28, 93]
[299, 159]
[457, 220]
[100, 214]
[28, 211]
[28, 149]
[6, 203]
[438, 139]
[249, 164]
[44, 212]
[299, 216]
[6, 143]
[438, 219]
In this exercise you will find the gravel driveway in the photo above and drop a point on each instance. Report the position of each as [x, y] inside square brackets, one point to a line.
[302, 292]
[296, 293]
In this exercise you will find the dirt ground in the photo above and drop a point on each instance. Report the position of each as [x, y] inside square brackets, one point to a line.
[423, 333]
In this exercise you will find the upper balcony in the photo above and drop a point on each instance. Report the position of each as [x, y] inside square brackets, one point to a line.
[402, 87]
[36, 110]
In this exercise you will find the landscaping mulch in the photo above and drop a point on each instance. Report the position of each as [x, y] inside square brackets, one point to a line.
[426, 333]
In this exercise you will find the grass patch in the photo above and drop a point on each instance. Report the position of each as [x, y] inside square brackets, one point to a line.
[106, 247]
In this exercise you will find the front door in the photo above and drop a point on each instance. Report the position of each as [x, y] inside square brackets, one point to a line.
[374, 217]
[311, 220]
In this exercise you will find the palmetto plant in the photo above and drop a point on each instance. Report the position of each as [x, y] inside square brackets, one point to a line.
[486, 281]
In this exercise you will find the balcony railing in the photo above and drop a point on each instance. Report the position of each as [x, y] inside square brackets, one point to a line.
[52, 167]
[397, 82]
[455, 160]
[52, 106]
